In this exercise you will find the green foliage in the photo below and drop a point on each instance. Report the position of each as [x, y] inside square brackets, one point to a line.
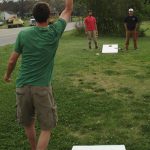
[146, 12]
[110, 15]
[79, 27]
[145, 26]
[80, 7]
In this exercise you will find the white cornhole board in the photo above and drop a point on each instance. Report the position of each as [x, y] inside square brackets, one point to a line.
[110, 48]
[100, 147]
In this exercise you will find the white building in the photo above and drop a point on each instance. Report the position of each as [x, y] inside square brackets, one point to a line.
[5, 15]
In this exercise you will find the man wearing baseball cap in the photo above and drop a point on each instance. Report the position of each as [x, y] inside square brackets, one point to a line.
[131, 25]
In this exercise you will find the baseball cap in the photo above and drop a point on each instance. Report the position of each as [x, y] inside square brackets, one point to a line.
[131, 9]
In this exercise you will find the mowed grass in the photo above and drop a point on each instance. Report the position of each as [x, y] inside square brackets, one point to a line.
[101, 99]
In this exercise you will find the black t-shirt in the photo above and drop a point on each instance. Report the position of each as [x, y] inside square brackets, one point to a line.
[131, 22]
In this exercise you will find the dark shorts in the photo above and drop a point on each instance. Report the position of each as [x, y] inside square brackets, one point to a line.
[36, 101]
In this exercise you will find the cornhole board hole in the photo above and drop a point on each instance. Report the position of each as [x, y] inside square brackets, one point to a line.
[100, 147]
[110, 48]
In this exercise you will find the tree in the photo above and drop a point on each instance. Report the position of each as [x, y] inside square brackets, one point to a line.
[9, 6]
[80, 7]
[110, 15]
[57, 5]
[21, 8]
[147, 2]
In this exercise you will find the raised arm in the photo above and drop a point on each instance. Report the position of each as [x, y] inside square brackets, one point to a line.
[66, 14]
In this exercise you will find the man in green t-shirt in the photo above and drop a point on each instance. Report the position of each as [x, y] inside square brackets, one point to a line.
[37, 46]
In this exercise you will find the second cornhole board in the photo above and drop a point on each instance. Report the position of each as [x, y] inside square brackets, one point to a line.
[100, 147]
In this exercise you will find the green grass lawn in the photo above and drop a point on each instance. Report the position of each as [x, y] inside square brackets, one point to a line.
[101, 99]
[146, 25]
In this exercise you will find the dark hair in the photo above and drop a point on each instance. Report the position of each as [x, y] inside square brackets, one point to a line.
[41, 11]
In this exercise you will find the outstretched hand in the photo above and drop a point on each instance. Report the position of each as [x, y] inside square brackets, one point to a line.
[7, 79]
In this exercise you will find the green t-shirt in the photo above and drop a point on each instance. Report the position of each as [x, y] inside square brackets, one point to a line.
[38, 46]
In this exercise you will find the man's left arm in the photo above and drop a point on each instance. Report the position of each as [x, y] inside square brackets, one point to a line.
[136, 26]
[11, 65]
[96, 26]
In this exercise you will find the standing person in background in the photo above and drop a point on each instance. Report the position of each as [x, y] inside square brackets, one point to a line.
[37, 46]
[91, 29]
[131, 25]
